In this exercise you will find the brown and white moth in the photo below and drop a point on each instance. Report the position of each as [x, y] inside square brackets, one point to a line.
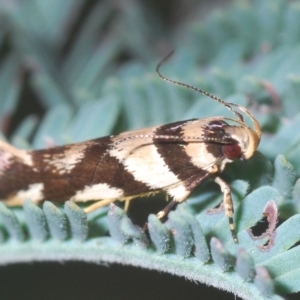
[172, 158]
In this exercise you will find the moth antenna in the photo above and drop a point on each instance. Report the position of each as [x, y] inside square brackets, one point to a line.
[228, 105]
[256, 124]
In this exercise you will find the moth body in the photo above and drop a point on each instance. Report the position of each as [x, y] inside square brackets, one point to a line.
[119, 167]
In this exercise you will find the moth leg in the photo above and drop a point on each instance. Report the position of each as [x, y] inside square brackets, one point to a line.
[167, 209]
[228, 205]
[126, 206]
[98, 204]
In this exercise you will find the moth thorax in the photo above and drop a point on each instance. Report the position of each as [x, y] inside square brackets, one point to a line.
[246, 138]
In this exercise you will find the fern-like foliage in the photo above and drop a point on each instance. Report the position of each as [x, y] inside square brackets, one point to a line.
[247, 54]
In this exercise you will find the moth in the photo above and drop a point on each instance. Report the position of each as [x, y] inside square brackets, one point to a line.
[172, 158]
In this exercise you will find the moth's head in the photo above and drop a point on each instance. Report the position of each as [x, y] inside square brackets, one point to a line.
[249, 137]
[247, 142]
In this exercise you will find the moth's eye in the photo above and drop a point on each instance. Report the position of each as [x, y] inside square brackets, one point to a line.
[232, 151]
